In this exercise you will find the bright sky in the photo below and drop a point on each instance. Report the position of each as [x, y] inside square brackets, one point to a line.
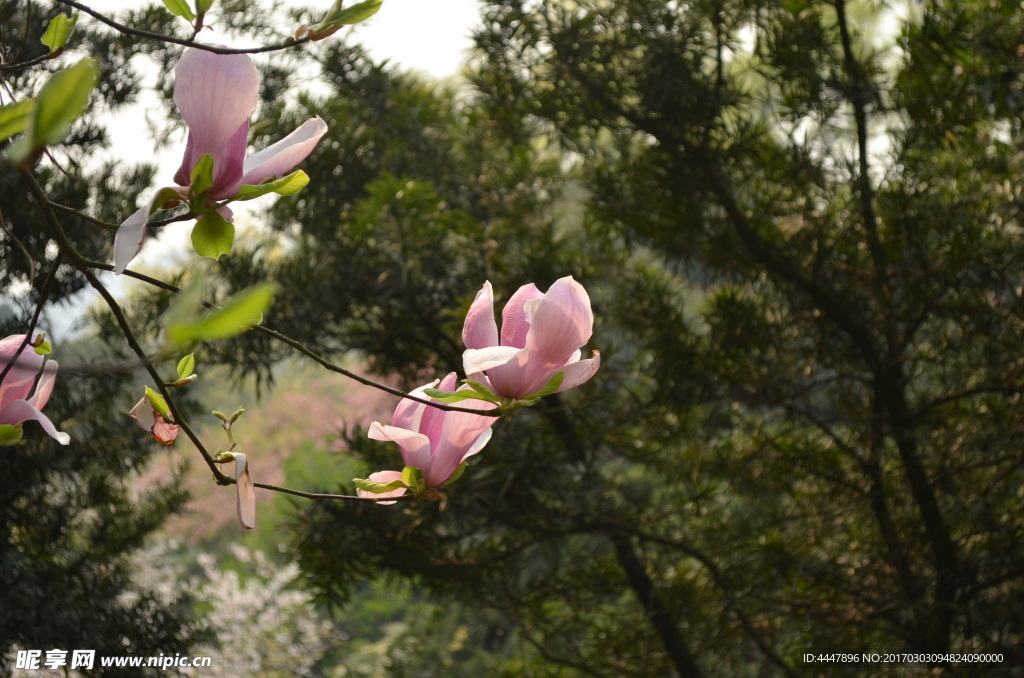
[427, 35]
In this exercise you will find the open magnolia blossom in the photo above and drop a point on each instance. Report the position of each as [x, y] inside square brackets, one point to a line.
[541, 335]
[18, 401]
[216, 94]
[434, 441]
[150, 419]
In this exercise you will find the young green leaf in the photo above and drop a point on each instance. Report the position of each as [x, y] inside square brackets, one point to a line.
[457, 474]
[377, 488]
[180, 8]
[203, 6]
[458, 396]
[158, 403]
[549, 388]
[58, 104]
[57, 32]
[43, 348]
[14, 118]
[10, 435]
[339, 16]
[213, 236]
[286, 185]
[202, 176]
[186, 366]
[240, 313]
[412, 477]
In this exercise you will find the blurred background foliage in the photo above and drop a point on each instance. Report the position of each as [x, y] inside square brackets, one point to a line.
[799, 224]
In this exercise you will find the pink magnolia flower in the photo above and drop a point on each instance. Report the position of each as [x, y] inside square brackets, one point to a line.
[216, 94]
[541, 335]
[434, 441]
[150, 419]
[18, 402]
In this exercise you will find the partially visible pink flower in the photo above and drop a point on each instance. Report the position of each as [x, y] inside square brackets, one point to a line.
[245, 492]
[541, 335]
[434, 441]
[216, 94]
[149, 419]
[18, 401]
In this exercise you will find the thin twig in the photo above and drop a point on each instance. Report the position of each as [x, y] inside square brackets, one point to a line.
[127, 30]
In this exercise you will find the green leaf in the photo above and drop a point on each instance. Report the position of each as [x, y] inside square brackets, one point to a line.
[158, 403]
[61, 100]
[483, 390]
[457, 474]
[213, 236]
[202, 6]
[57, 32]
[10, 435]
[179, 8]
[186, 366]
[377, 488]
[14, 118]
[43, 348]
[549, 388]
[458, 396]
[338, 16]
[412, 477]
[58, 104]
[201, 177]
[240, 313]
[286, 185]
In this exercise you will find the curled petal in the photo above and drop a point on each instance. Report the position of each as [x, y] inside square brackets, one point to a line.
[480, 330]
[144, 414]
[131, 234]
[384, 477]
[163, 431]
[579, 372]
[45, 387]
[246, 492]
[20, 411]
[282, 156]
[415, 446]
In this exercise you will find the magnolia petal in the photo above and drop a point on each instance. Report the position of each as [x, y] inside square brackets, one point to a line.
[163, 431]
[45, 387]
[478, 444]
[282, 156]
[514, 323]
[408, 412]
[478, 360]
[20, 411]
[415, 446]
[246, 492]
[578, 372]
[130, 236]
[480, 330]
[144, 414]
[384, 477]
[560, 322]
[461, 432]
[432, 418]
[215, 93]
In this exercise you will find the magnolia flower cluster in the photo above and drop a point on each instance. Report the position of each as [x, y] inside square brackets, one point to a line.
[216, 94]
[540, 341]
[19, 401]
